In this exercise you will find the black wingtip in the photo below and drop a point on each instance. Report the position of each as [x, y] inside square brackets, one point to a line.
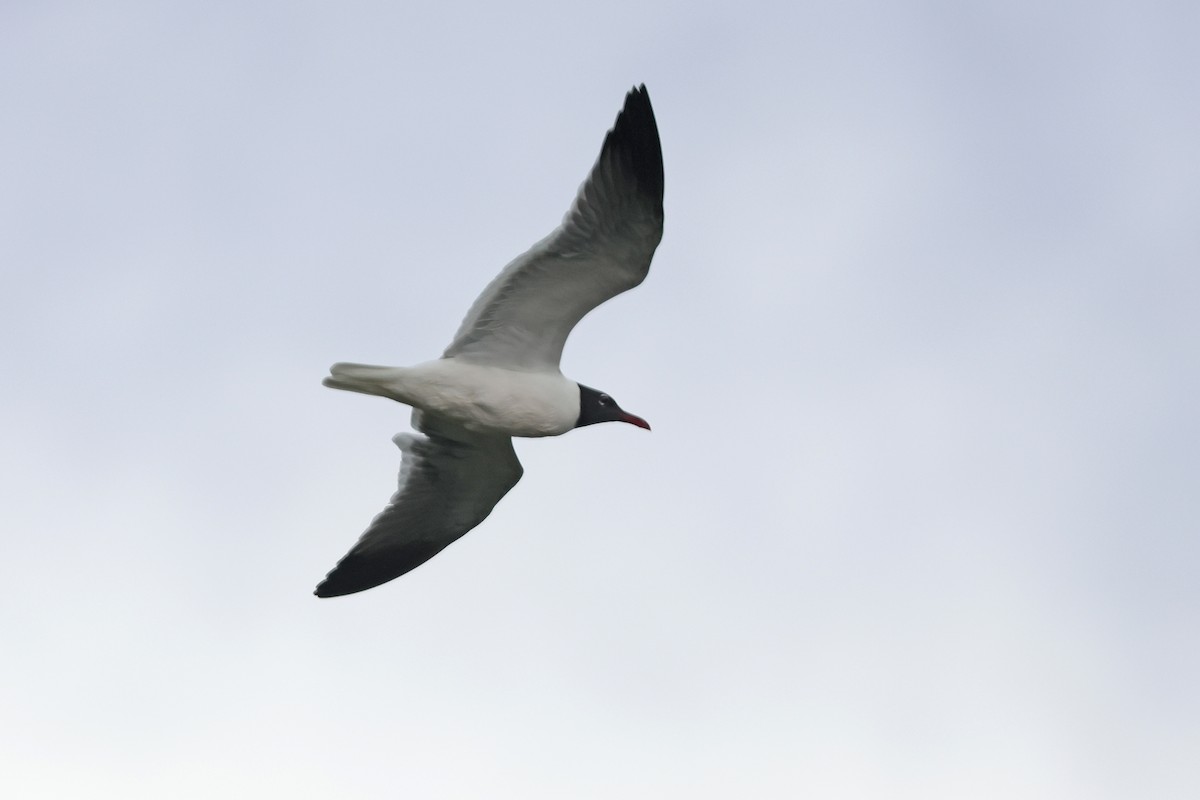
[325, 590]
[634, 139]
[357, 572]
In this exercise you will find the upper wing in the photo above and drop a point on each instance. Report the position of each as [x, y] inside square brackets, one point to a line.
[449, 483]
[602, 248]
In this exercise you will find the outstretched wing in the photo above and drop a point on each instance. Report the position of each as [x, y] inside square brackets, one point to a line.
[602, 248]
[449, 483]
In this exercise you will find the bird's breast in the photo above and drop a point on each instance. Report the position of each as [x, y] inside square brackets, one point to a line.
[491, 400]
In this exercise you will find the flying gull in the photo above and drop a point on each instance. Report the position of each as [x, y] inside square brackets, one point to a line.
[500, 377]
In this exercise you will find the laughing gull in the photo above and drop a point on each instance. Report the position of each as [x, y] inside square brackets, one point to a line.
[500, 378]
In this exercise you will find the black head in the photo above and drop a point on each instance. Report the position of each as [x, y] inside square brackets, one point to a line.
[598, 407]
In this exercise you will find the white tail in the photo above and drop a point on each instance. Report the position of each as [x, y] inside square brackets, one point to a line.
[364, 378]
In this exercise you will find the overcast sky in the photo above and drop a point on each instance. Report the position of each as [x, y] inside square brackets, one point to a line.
[920, 513]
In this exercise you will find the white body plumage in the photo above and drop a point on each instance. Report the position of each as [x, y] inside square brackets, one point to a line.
[479, 398]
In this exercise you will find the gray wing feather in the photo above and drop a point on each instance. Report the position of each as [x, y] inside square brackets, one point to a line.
[602, 248]
[449, 483]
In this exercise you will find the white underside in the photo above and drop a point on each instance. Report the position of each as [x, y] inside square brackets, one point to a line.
[480, 399]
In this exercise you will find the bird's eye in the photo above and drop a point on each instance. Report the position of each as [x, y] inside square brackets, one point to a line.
[605, 400]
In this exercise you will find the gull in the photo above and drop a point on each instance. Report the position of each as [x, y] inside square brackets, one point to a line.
[500, 376]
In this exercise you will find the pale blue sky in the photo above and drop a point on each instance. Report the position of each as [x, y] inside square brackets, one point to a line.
[919, 516]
